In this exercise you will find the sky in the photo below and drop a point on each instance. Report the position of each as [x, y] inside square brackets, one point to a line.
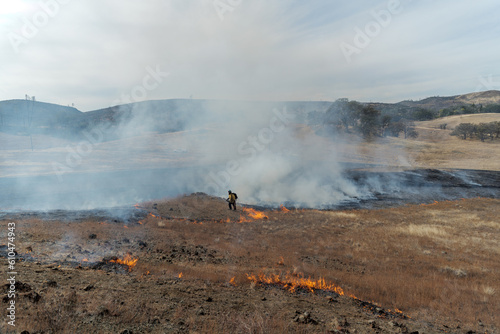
[98, 53]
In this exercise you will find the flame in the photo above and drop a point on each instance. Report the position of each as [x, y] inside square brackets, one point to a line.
[180, 275]
[282, 208]
[125, 226]
[232, 282]
[128, 260]
[254, 214]
[293, 282]
[244, 220]
[429, 204]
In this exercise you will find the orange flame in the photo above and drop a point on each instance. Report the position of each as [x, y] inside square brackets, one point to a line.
[282, 208]
[293, 282]
[128, 260]
[180, 275]
[244, 220]
[254, 214]
[232, 282]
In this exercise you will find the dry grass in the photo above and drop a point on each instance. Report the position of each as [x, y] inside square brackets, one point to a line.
[426, 260]
[435, 147]
[434, 262]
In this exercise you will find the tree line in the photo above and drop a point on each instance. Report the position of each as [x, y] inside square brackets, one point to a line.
[345, 116]
[481, 131]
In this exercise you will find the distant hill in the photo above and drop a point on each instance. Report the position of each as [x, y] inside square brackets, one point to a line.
[27, 116]
[24, 117]
[437, 102]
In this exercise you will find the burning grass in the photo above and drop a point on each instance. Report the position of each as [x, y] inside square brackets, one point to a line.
[296, 282]
[437, 263]
[127, 261]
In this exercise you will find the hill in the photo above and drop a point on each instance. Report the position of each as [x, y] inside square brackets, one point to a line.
[27, 116]
[437, 103]
[24, 117]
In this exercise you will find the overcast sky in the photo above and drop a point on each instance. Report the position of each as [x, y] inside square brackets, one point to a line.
[98, 53]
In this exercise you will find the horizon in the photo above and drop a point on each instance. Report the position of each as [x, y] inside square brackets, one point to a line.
[99, 53]
[254, 101]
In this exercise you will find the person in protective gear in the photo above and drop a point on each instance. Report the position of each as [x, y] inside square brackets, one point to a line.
[232, 197]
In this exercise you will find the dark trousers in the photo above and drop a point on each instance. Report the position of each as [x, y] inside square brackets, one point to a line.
[233, 204]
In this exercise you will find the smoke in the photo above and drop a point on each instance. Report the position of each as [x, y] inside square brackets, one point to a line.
[269, 157]
[265, 152]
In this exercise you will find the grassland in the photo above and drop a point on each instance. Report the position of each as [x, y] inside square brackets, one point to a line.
[436, 263]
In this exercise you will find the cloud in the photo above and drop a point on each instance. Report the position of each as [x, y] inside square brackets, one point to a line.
[91, 52]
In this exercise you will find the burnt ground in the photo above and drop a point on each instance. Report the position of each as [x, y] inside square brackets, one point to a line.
[436, 262]
[377, 188]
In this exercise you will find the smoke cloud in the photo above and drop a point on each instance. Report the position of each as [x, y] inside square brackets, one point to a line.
[265, 152]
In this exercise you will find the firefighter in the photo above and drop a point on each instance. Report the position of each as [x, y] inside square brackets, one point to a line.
[232, 197]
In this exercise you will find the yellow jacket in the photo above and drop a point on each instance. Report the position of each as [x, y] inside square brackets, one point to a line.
[232, 198]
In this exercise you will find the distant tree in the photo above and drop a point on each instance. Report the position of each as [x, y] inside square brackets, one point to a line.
[492, 108]
[491, 129]
[395, 128]
[481, 130]
[343, 114]
[463, 130]
[422, 114]
[409, 129]
[496, 128]
[369, 122]
[385, 123]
